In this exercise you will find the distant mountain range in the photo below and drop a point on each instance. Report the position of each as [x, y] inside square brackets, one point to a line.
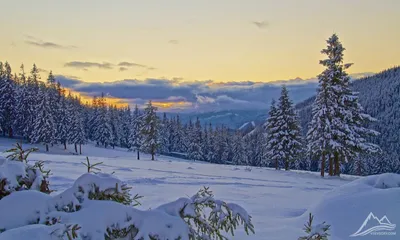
[300, 90]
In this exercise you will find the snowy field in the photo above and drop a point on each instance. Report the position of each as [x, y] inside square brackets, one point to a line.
[278, 201]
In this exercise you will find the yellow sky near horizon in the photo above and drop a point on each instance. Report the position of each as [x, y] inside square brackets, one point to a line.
[256, 40]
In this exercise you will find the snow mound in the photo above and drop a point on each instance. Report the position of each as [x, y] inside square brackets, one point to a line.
[99, 205]
[347, 208]
[384, 181]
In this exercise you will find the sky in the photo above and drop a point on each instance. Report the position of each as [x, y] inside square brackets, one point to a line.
[155, 49]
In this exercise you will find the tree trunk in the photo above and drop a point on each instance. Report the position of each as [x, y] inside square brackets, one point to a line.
[330, 165]
[286, 165]
[276, 164]
[323, 165]
[80, 148]
[152, 156]
[65, 145]
[10, 132]
[337, 165]
[113, 146]
[359, 168]
[138, 155]
[76, 148]
[47, 147]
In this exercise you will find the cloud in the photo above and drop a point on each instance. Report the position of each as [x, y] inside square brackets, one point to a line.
[86, 65]
[173, 41]
[127, 65]
[45, 44]
[122, 69]
[42, 70]
[180, 95]
[261, 25]
[68, 81]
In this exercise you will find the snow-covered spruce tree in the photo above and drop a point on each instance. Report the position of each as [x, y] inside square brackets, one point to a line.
[81, 207]
[255, 147]
[150, 130]
[211, 156]
[44, 125]
[238, 149]
[195, 140]
[7, 99]
[126, 121]
[31, 101]
[271, 128]
[337, 128]
[64, 117]
[76, 133]
[165, 130]
[116, 126]
[136, 137]
[178, 136]
[21, 104]
[288, 135]
[103, 131]
[54, 101]
[93, 119]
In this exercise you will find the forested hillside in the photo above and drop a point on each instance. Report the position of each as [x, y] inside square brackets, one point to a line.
[380, 96]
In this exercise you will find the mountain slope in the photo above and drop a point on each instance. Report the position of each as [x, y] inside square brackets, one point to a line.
[380, 96]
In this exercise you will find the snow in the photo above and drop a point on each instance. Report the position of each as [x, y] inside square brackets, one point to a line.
[278, 201]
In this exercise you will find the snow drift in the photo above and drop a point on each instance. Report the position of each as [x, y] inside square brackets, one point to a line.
[365, 201]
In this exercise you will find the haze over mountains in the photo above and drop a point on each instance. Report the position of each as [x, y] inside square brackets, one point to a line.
[246, 102]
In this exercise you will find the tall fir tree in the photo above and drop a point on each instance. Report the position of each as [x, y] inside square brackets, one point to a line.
[21, 104]
[337, 128]
[76, 133]
[238, 148]
[7, 99]
[195, 151]
[287, 136]
[126, 121]
[150, 130]
[63, 117]
[272, 132]
[103, 131]
[44, 125]
[136, 137]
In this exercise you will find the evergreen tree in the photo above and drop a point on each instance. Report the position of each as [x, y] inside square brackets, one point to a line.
[21, 104]
[64, 115]
[136, 137]
[195, 151]
[239, 151]
[103, 131]
[287, 135]
[76, 133]
[7, 99]
[31, 102]
[126, 122]
[337, 128]
[165, 135]
[116, 126]
[178, 136]
[150, 130]
[44, 126]
[271, 128]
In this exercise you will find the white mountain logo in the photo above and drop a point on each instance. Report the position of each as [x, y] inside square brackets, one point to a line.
[375, 226]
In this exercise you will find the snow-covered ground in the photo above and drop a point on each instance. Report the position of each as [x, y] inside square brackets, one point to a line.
[278, 201]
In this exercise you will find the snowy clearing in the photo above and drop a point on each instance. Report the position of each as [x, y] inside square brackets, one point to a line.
[278, 201]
